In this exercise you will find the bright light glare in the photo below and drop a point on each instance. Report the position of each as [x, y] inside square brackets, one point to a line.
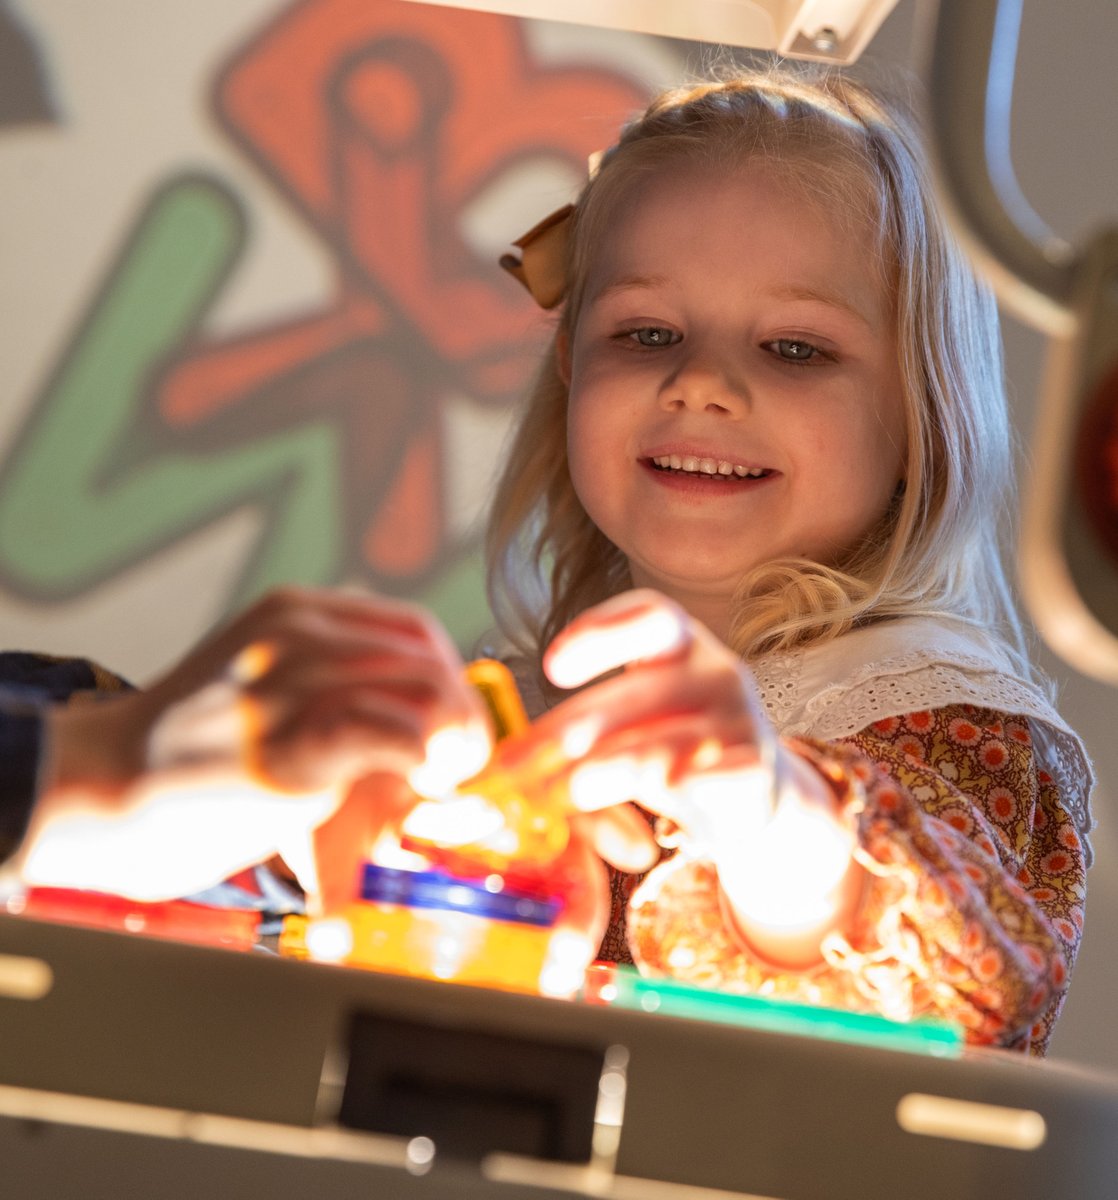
[789, 881]
[458, 939]
[420, 1155]
[599, 784]
[456, 821]
[577, 739]
[564, 969]
[707, 755]
[725, 809]
[454, 753]
[253, 662]
[386, 851]
[98, 850]
[329, 940]
[596, 785]
[649, 633]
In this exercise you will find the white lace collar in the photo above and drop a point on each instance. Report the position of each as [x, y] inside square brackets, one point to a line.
[837, 688]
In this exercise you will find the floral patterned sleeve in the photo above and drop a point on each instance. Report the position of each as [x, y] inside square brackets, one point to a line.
[974, 906]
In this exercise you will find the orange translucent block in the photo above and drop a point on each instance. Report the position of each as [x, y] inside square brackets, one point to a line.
[523, 784]
[496, 685]
[434, 927]
[533, 833]
[178, 920]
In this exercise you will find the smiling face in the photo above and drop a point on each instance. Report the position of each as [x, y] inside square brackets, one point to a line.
[734, 389]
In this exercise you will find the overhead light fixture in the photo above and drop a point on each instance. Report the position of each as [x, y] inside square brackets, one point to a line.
[828, 30]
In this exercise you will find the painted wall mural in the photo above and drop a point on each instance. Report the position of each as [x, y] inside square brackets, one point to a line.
[359, 427]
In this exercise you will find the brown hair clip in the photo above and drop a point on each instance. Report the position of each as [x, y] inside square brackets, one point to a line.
[540, 267]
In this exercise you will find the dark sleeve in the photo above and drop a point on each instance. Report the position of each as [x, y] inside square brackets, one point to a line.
[28, 684]
[43, 679]
[21, 735]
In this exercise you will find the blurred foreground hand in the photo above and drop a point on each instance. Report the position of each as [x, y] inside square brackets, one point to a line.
[247, 746]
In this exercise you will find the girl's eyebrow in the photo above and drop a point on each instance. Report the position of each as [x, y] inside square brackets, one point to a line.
[791, 291]
[629, 283]
[816, 295]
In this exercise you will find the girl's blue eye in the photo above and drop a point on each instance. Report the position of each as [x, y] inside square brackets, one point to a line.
[793, 351]
[653, 336]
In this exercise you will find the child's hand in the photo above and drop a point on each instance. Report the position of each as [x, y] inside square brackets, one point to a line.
[249, 744]
[681, 711]
[680, 730]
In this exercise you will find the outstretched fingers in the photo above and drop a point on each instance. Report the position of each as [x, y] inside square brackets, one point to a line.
[636, 626]
[323, 686]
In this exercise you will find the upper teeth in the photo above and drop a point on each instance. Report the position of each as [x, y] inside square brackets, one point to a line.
[706, 466]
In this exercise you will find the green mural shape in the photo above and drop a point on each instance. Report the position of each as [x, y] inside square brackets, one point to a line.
[457, 596]
[77, 499]
[91, 488]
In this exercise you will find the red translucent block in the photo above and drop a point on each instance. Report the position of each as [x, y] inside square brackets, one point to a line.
[177, 920]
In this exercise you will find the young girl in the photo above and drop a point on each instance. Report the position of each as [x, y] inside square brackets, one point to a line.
[774, 398]
[773, 405]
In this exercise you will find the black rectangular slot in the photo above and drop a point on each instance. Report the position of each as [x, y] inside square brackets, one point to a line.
[472, 1092]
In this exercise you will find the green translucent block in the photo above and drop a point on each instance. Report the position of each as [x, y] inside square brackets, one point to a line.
[924, 1035]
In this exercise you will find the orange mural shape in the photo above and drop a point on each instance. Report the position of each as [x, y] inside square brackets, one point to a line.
[380, 122]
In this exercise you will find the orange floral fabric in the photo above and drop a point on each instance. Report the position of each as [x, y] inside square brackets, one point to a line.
[974, 907]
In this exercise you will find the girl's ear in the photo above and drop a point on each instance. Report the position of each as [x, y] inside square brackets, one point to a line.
[563, 356]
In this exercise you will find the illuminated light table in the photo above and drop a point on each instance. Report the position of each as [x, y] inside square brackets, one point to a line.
[131, 1066]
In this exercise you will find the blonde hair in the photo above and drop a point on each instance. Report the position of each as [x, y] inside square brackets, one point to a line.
[936, 550]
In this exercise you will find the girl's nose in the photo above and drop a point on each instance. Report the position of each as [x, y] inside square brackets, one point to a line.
[704, 384]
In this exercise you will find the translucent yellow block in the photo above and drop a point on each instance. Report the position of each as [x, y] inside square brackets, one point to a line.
[433, 926]
[523, 786]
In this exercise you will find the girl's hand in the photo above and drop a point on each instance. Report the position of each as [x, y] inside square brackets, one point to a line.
[248, 745]
[680, 730]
